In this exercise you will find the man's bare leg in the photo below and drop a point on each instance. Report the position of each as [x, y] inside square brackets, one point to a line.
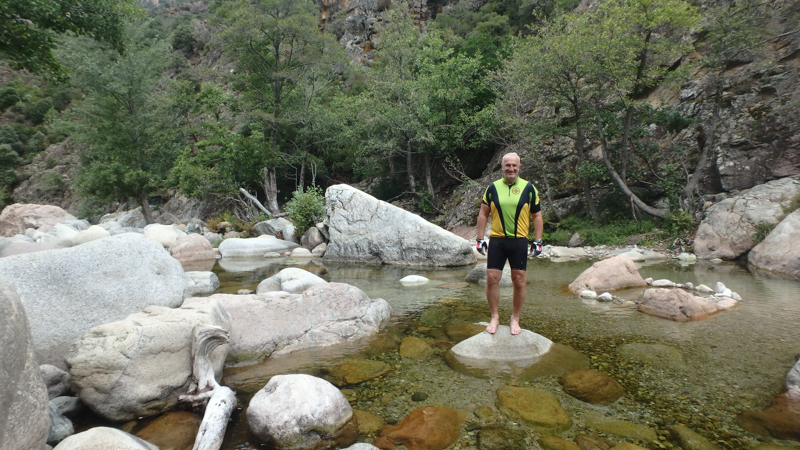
[493, 297]
[520, 288]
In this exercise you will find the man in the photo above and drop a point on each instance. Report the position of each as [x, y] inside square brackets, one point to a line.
[513, 204]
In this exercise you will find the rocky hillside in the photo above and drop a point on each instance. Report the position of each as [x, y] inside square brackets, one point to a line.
[758, 137]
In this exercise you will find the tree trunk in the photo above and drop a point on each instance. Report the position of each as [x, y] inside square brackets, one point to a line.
[660, 213]
[547, 194]
[587, 188]
[410, 169]
[302, 176]
[146, 211]
[428, 177]
[687, 192]
[270, 185]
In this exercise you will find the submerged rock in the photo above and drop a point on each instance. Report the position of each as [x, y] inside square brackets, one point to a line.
[355, 371]
[535, 407]
[592, 386]
[428, 428]
[681, 306]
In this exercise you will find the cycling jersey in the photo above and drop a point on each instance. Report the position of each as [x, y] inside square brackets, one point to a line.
[511, 207]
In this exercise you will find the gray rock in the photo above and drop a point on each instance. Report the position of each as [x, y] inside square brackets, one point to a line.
[605, 297]
[727, 231]
[127, 219]
[575, 240]
[24, 417]
[60, 426]
[56, 380]
[70, 407]
[301, 252]
[319, 251]
[278, 323]
[166, 235]
[90, 234]
[60, 234]
[793, 377]
[779, 252]
[676, 304]
[254, 247]
[312, 238]
[16, 218]
[23, 247]
[192, 247]
[277, 227]
[138, 366]
[478, 275]
[301, 411]
[72, 290]
[567, 252]
[610, 274]
[104, 438]
[291, 280]
[201, 283]
[363, 228]
[502, 346]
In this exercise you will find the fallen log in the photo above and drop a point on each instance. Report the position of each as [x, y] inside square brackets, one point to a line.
[219, 401]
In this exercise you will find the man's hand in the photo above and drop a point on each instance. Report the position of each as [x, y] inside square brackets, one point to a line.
[536, 248]
[481, 246]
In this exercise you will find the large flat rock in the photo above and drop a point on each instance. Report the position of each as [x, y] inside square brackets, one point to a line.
[365, 229]
[66, 292]
[503, 347]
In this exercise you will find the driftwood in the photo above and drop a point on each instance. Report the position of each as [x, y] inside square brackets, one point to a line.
[221, 400]
[255, 200]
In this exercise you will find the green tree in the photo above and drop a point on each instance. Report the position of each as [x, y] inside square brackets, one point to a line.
[424, 101]
[29, 30]
[123, 127]
[276, 43]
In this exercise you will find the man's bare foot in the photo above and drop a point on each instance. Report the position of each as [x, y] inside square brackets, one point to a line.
[515, 328]
[492, 328]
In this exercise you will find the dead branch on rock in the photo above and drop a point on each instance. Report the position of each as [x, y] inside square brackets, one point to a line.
[221, 399]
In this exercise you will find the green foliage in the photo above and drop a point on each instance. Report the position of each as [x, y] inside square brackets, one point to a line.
[10, 137]
[762, 230]
[306, 208]
[8, 97]
[29, 30]
[792, 206]
[668, 116]
[183, 39]
[36, 111]
[52, 182]
[124, 128]
[9, 161]
[680, 221]
[616, 232]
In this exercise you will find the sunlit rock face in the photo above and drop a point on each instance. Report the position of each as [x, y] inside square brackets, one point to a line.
[365, 229]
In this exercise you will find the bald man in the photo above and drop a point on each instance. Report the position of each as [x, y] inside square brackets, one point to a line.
[513, 204]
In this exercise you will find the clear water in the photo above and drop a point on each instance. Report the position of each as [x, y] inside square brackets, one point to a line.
[700, 374]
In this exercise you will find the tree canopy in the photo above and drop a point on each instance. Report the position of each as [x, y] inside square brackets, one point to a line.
[30, 28]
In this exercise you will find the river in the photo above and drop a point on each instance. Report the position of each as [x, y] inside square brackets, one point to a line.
[700, 373]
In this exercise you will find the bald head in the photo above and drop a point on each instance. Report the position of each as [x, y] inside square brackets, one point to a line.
[510, 165]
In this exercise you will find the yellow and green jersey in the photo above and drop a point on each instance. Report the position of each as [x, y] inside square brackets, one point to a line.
[511, 207]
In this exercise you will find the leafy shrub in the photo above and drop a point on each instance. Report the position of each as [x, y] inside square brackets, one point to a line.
[183, 39]
[8, 97]
[306, 208]
[10, 137]
[36, 111]
[52, 182]
[762, 230]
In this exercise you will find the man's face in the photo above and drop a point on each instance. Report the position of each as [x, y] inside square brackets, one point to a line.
[510, 169]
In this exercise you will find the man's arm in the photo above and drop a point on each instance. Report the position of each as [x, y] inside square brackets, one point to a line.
[483, 217]
[538, 225]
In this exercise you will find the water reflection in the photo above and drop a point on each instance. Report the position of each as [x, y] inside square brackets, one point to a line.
[674, 372]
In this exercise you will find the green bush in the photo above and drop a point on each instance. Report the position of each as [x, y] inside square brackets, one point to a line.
[8, 97]
[52, 182]
[37, 110]
[306, 208]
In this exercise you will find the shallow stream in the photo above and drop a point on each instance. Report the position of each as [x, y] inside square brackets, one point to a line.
[700, 374]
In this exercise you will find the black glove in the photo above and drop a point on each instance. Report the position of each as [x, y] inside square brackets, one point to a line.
[536, 248]
[481, 246]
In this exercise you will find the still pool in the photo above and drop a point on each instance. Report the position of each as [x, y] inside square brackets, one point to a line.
[700, 374]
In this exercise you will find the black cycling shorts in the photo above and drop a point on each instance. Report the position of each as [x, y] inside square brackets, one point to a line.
[515, 250]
